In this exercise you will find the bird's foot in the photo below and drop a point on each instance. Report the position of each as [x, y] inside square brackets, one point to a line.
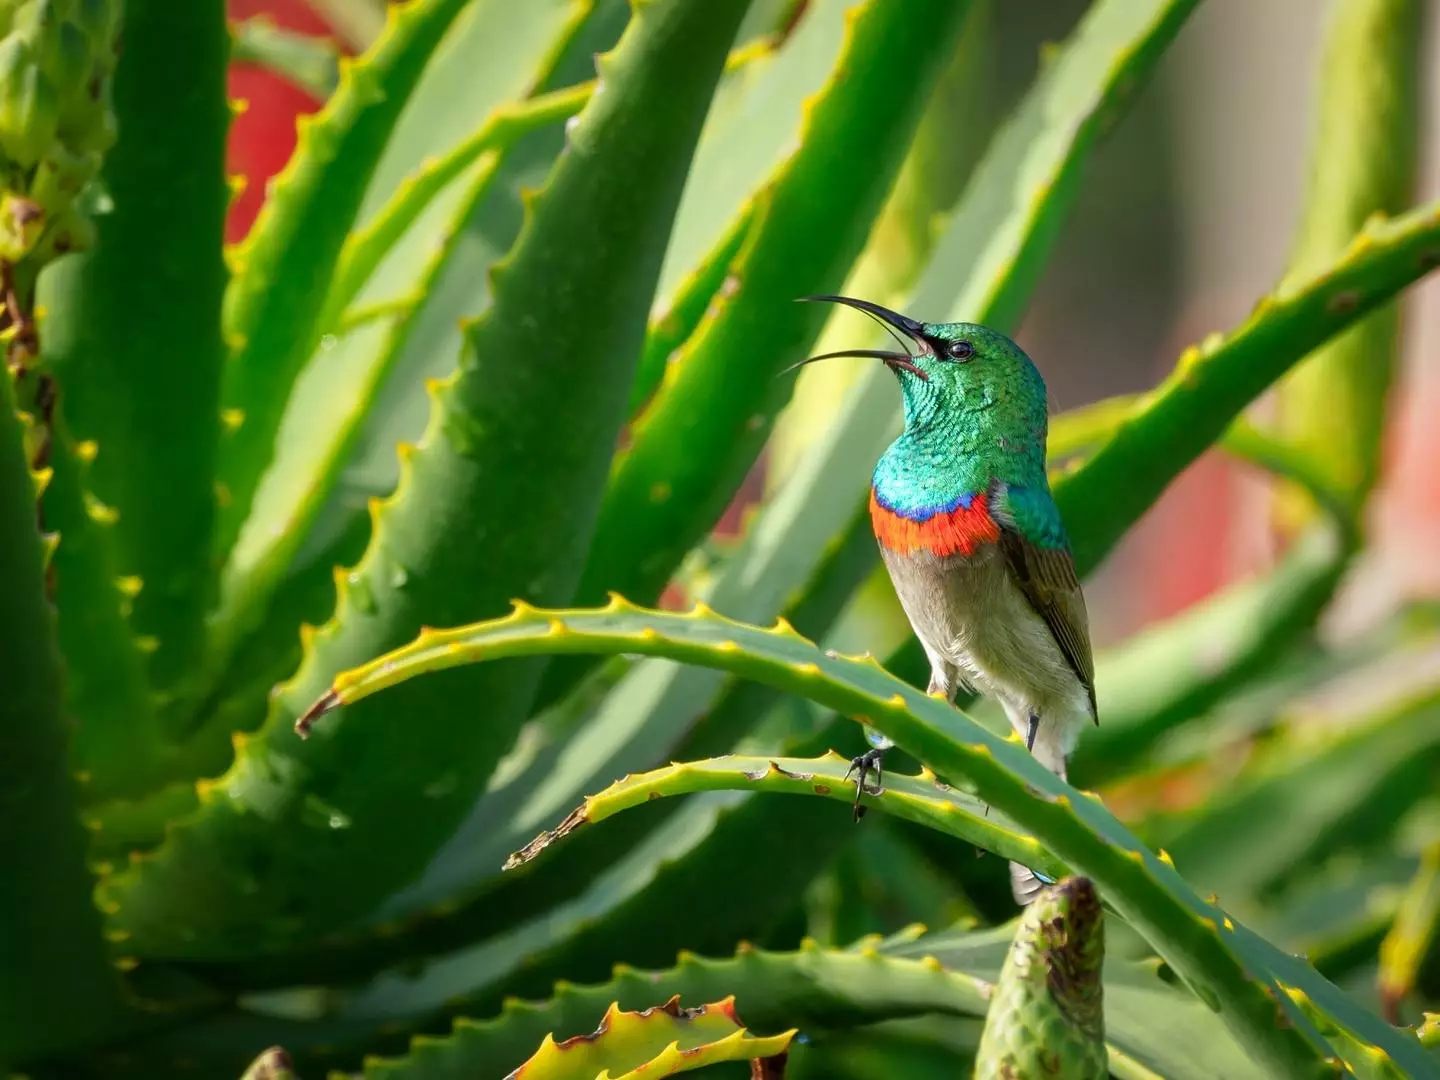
[865, 764]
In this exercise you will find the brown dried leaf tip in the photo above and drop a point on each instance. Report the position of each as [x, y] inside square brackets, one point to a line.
[573, 821]
[324, 704]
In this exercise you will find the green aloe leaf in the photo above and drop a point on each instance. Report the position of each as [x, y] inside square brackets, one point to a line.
[1363, 155]
[1317, 798]
[813, 217]
[1413, 936]
[1047, 1016]
[141, 365]
[921, 799]
[1199, 940]
[57, 988]
[1217, 379]
[648, 894]
[662, 1040]
[284, 267]
[118, 747]
[683, 313]
[307, 62]
[575, 290]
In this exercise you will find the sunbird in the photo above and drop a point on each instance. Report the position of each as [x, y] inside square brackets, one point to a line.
[973, 541]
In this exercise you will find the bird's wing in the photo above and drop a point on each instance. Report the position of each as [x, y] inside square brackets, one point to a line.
[1033, 541]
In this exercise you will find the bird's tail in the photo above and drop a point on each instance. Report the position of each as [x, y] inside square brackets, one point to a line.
[1026, 884]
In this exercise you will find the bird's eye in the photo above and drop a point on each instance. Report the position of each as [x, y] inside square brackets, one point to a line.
[961, 350]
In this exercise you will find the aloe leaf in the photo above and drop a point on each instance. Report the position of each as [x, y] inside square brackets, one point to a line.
[813, 217]
[694, 299]
[309, 63]
[1362, 163]
[1217, 379]
[1047, 1015]
[922, 799]
[284, 267]
[1310, 796]
[574, 289]
[1196, 938]
[647, 895]
[658, 1041]
[118, 747]
[57, 988]
[359, 22]
[122, 826]
[1413, 935]
[141, 365]
[367, 248]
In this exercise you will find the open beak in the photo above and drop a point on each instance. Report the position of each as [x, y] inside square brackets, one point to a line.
[900, 324]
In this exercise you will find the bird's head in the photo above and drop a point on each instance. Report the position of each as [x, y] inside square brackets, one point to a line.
[949, 369]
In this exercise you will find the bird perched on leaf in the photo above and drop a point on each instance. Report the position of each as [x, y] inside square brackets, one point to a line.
[973, 540]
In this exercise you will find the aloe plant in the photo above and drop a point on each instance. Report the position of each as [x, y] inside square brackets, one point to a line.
[350, 720]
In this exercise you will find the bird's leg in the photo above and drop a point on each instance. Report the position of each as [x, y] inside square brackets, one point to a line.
[1034, 730]
[866, 763]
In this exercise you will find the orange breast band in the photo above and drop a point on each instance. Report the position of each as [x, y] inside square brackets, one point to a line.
[962, 530]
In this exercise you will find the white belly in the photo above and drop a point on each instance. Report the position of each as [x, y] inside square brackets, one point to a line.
[978, 628]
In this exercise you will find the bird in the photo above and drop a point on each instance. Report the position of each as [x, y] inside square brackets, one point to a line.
[973, 542]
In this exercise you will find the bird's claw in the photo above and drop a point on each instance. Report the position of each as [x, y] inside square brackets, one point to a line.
[865, 764]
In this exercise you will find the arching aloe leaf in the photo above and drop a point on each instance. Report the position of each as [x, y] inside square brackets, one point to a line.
[141, 364]
[1199, 940]
[1047, 1014]
[922, 799]
[57, 988]
[574, 290]
[647, 895]
[1214, 381]
[284, 267]
[662, 1040]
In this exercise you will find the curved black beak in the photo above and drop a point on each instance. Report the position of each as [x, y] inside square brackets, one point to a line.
[906, 325]
[893, 320]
